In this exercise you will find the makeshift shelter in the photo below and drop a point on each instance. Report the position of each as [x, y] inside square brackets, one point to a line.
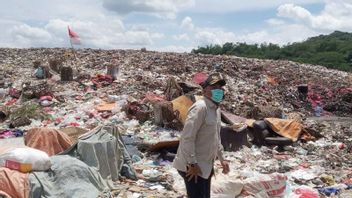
[13, 183]
[68, 177]
[89, 168]
[51, 141]
[103, 148]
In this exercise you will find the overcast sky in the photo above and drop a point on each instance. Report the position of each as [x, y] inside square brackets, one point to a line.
[168, 25]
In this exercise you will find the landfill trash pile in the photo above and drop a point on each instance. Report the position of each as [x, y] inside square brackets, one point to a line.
[253, 83]
[88, 88]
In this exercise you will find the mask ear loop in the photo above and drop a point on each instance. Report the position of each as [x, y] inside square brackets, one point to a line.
[223, 98]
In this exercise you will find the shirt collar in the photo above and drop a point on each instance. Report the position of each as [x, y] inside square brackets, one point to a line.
[210, 103]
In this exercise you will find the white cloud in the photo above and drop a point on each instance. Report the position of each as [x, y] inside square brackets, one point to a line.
[187, 23]
[225, 6]
[106, 23]
[95, 34]
[335, 16]
[275, 22]
[173, 48]
[338, 8]
[57, 26]
[157, 35]
[279, 35]
[167, 8]
[181, 37]
[27, 36]
[294, 12]
[279, 30]
[256, 37]
[43, 10]
[206, 36]
[29, 32]
[6, 39]
[137, 38]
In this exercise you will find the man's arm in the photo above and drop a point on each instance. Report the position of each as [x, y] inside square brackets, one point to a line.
[220, 150]
[195, 119]
[224, 163]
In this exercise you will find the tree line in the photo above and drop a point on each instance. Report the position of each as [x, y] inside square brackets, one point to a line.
[332, 51]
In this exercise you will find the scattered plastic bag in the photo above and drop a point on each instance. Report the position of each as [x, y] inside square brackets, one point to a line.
[3, 93]
[304, 174]
[24, 159]
[131, 124]
[329, 191]
[226, 188]
[45, 103]
[273, 185]
[152, 175]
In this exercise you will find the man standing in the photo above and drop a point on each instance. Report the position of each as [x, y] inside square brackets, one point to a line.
[200, 142]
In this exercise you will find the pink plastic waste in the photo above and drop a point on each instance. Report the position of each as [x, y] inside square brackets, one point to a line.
[73, 124]
[151, 97]
[6, 134]
[306, 193]
[11, 102]
[49, 98]
[342, 146]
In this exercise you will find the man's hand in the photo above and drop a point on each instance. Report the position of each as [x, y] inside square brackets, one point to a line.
[193, 171]
[225, 167]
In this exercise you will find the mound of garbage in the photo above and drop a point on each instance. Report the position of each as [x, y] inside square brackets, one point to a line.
[285, 125]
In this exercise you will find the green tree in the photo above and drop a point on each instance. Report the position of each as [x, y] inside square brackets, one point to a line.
[332, 51]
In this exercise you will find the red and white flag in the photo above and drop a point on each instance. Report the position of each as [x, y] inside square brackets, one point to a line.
[74, 38]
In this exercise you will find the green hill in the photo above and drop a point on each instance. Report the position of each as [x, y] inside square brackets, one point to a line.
[333, 51]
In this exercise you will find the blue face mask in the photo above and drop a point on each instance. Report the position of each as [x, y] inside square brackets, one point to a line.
[217, 95]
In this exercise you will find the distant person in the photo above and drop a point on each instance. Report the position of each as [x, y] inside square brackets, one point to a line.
[42, 72]
[318, 110]
[39, 72]
[200, 142]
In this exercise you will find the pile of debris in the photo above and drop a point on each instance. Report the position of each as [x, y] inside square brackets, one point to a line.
[146, 95]
[252, 83]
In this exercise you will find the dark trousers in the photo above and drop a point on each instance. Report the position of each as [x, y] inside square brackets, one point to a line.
[201, 189]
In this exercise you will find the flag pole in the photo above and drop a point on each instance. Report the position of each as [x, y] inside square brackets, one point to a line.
[72, 48]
